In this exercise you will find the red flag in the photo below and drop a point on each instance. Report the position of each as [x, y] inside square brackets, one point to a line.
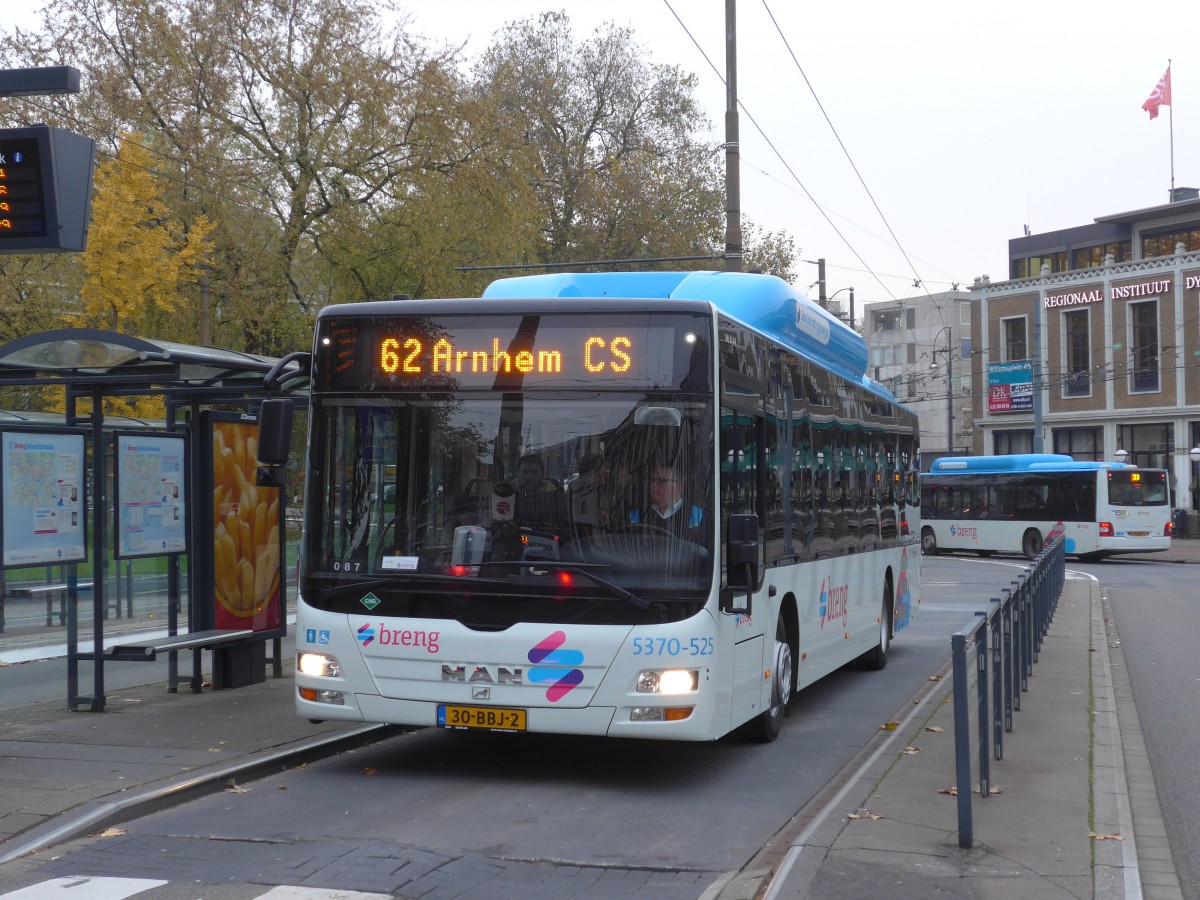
[1160, 96]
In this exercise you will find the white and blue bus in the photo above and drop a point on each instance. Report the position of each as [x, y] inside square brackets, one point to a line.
[480, 550]
[1014, 503]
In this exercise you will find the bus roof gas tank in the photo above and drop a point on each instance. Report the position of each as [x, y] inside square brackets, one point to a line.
[764, 302]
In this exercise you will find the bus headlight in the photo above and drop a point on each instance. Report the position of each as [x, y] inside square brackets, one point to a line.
[318, 665]
[671, 681]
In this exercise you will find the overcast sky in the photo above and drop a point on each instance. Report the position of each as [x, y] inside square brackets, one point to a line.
[966, 119]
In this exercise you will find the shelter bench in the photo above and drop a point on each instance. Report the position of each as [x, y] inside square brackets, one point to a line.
[238, 655]
[146, 651]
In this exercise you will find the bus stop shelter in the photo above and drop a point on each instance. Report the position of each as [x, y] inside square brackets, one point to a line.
[204, 472]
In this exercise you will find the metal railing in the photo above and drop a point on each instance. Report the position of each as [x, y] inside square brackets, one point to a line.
[993, 658]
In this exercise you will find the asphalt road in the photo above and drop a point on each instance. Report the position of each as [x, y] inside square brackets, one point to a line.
[567, 801]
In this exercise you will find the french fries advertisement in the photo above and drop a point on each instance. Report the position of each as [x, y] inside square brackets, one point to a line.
[247, 542]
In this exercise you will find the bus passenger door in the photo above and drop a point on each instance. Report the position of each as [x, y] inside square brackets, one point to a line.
[741, 434]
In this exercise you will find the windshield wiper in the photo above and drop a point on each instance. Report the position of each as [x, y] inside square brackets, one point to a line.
[583, 569]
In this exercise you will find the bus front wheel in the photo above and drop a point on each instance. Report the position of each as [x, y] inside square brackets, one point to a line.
[765, 727]
[1031, 543]
[928, 541]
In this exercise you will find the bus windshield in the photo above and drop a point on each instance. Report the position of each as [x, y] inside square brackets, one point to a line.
[535, 494]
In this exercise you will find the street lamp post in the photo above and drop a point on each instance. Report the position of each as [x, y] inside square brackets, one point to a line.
[851, 290]
[933, 367]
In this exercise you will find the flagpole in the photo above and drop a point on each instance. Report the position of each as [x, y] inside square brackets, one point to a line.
[1172, 129]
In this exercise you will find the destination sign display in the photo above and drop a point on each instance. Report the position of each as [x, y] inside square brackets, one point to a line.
[506, 351]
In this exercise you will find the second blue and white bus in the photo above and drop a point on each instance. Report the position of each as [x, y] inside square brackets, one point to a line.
[1014, 503]
[477, 554]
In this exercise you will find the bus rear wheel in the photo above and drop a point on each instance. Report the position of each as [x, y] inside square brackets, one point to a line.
[1032, 543]
[928, 541]
[877, 657]
[765, 727]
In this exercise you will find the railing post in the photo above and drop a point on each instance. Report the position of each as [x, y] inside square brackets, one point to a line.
[996, 620]
[962, 739]
[982, 712]
[1006, 623]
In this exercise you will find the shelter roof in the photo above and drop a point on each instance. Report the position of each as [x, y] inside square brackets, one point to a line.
[122, 363]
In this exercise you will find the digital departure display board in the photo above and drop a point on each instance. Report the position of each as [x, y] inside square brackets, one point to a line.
[22, 195]
[45, 189]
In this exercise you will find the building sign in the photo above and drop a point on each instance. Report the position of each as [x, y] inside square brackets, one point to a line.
[1142, 289]
[1078, 297]
[1010, 387]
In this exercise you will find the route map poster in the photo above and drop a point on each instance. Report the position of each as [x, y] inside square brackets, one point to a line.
[42, 475]
[151, 507]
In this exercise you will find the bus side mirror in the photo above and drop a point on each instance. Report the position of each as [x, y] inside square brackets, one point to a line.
[274, 441]
[741, 552]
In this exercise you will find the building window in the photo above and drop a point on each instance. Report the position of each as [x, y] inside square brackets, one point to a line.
[1150, 446]
[1077, 374]
[1164, 244]
[964, 314]
[887, 355]
[1082, 443]
[1012, 442]
[1143, 346]
[887, 319]
[1016, 347]
[1031, 266]
[1093, 257]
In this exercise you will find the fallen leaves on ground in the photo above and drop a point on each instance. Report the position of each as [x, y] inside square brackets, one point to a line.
[1106, 837]
[952, 790]
[111, 832]
[890, 726]
[370, 770]
[936, 729]
[911, 751]
[865, 814]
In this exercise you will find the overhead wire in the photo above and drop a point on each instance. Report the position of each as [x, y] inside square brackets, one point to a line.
[779, 155]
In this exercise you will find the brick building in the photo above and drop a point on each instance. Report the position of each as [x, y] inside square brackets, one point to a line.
[1092, 347]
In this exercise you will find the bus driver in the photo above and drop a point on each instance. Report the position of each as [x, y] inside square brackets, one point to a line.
[668, 509]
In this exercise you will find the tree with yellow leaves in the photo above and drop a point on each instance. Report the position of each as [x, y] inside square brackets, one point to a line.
[140, 262]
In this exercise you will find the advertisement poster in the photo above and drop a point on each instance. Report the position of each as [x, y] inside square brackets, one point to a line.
[150, 502]
[1010, 387]
[247, 537]
[44, 508]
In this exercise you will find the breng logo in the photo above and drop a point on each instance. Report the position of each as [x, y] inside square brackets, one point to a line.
[835, 603]
[560, 673]
[366, 634]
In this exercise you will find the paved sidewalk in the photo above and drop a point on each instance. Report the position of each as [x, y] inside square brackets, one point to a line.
[65, 774]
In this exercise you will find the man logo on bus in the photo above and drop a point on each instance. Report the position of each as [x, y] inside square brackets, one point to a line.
[366, 634]
[835, 603]
[559, 672]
